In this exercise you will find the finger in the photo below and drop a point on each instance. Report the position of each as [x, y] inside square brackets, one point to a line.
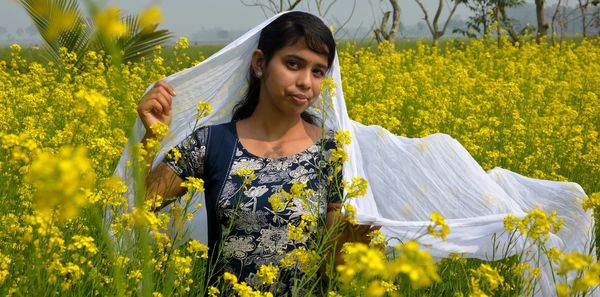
[166, 86]
[156, 106]
[166, 95]
[164, 102]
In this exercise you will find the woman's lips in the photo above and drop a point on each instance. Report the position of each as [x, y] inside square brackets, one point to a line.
[299, 99]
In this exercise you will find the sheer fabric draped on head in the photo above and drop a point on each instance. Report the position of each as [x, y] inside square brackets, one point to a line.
[408, 177]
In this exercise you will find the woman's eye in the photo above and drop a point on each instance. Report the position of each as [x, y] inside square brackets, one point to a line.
[319, 73]
[292, 65]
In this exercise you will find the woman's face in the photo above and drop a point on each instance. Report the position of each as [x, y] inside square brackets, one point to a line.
[292, 79]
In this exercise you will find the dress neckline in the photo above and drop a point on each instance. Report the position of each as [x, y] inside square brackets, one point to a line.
[241, 146]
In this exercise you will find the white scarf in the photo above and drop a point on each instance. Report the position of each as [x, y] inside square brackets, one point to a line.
[408, 177]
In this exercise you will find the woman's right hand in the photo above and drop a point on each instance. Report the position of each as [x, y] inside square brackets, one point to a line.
[155, 106]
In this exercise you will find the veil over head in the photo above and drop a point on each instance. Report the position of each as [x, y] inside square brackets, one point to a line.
[408, 178]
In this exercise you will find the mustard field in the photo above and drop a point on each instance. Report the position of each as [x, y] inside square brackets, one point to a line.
[533, 109]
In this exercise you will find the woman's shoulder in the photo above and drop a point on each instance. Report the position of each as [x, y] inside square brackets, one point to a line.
[327, 137]
[322, 134]
[203, 131]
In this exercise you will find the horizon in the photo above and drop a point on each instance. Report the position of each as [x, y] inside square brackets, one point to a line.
[210, 26]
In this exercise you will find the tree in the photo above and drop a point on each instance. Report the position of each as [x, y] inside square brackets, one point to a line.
[596, 15]
[557, 16]
[322, 7]
[273, 6]
[434, 29]
[506, 22]
[584, 5]
[62, 25]
[542, 25]
[383, 33]
[479, 23]
[490, 13]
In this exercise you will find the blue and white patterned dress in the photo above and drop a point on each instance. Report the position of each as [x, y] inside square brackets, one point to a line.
[259, 234]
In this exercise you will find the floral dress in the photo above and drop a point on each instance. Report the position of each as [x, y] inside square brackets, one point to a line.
[251, 232]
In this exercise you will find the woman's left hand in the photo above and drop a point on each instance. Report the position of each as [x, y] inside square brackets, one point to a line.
[359, 233]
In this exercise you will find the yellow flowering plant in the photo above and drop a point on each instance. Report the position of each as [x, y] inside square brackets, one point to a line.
[529, 108]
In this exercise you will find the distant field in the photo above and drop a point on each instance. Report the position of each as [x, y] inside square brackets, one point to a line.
[533, 109]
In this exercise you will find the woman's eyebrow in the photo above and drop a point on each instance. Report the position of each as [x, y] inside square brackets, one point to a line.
[294, 56]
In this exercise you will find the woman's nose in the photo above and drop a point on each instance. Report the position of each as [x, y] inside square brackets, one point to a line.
[303, 80]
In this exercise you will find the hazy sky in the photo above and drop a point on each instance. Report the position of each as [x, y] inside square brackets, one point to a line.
[185, 17]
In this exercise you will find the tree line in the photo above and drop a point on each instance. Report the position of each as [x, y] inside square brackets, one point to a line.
[488, 16]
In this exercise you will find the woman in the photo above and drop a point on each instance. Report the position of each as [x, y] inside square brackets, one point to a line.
[273, 134]
[408, 178]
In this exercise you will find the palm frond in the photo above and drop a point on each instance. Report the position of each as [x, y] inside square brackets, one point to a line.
[78, 34]
[73, 35]
[141, 41]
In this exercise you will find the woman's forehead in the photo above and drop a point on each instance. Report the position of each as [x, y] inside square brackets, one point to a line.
[301, 49]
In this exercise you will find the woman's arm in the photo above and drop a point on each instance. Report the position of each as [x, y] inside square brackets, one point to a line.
[347, 232]
[162, 185]
[155, 106]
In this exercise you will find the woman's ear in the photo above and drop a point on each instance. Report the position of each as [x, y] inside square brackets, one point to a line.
[258, 63]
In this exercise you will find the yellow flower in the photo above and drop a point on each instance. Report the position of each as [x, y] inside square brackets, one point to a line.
[574, 261]
[300, 232]
[135, 275]
[193, 184]
[213, 292]
[247, 176]
[377, 240]
[296, 233]
[184, 43]
[174, 154]
[83, 242]
[15, 48]
[60, 22]
[150, 17]
[97, 101]
[4, 266]
[510, 222]
[203, 109]
[554, 254]
[350, 213]
[589, 280]
[537, 225]
[109, 22]
[61, 182]
[360, 261]
[159, 129]
[415, 263]
[276, 203]
[338, 156]
[592, 201]
[357, 188]
[328, 87]
[267, 274]
[195, 247]
[562, 290]
[485, 277]
[375, 289]
[306, 260]
[230, 277]
[439, 228]
[342, 137]
[246, 173]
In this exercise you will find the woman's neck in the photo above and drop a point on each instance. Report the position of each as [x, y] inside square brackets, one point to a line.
[271, 126]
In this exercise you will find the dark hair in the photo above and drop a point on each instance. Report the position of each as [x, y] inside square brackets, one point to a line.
[287, 30]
